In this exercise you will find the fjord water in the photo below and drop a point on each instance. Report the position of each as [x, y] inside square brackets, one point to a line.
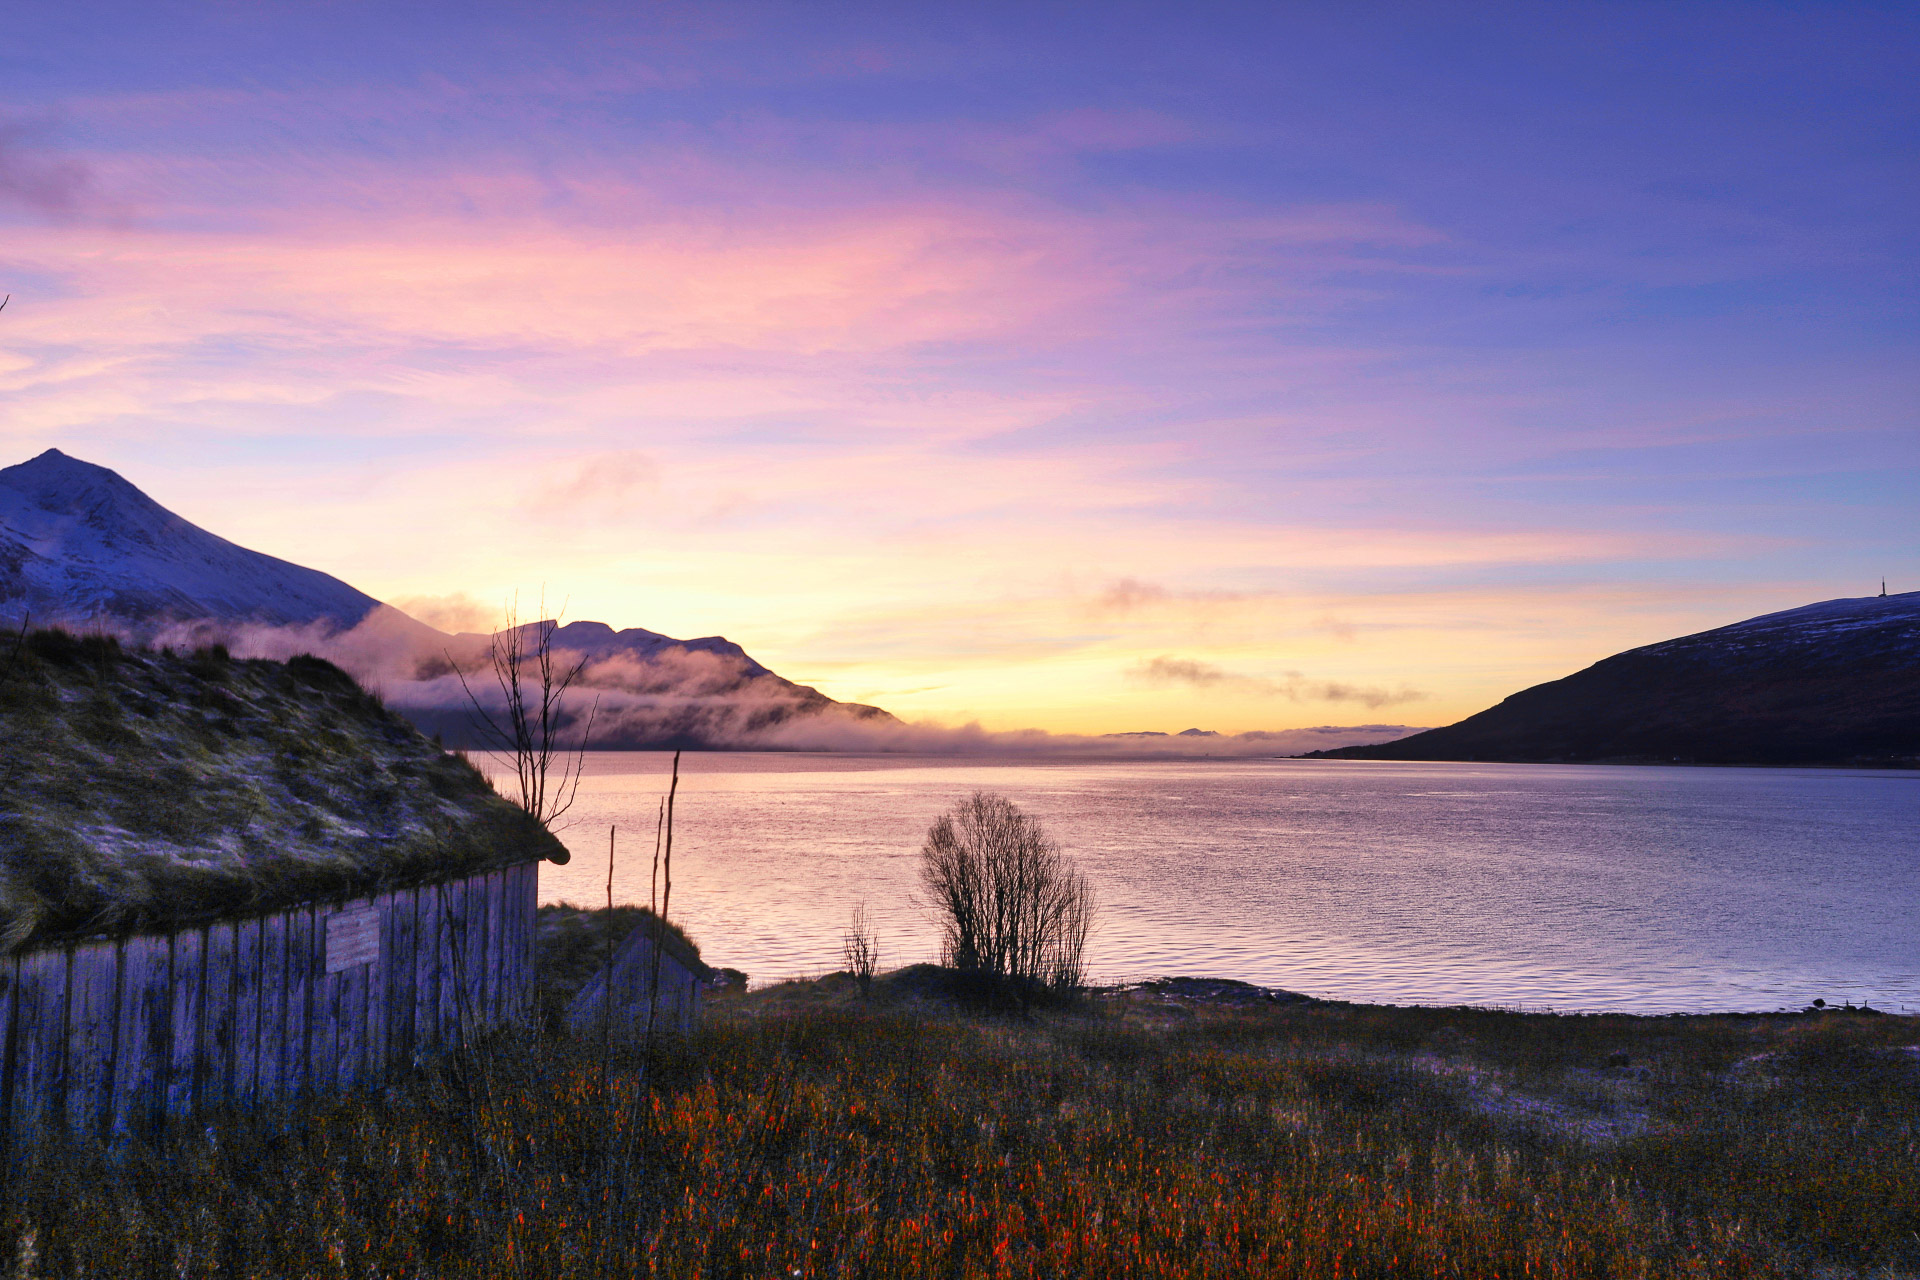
[1539, 886]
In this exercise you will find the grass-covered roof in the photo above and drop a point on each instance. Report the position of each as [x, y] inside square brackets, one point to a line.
[141, 791]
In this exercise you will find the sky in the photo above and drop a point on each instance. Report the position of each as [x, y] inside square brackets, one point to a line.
[1091, 368]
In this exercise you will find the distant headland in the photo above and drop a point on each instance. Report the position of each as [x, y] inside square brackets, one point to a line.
[1831, 683]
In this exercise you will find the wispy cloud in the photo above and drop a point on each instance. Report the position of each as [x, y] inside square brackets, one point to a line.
[600, 487]
[453, 613]
[39, 180]
[1126, 596]
[1165, 671]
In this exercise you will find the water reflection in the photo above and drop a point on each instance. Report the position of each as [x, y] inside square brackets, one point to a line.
[1570, 887]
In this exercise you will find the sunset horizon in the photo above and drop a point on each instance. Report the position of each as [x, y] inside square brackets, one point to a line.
[1034, 641]
[1268, 371]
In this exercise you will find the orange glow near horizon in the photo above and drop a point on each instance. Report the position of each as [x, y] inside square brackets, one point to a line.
[1178, 391]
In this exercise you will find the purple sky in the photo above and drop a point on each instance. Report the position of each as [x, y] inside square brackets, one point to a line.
[1087, 367]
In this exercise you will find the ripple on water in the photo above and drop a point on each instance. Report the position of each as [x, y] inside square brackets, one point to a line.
[1573, 887]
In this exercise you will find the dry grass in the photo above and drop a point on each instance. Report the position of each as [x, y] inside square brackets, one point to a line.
[1132, 1137]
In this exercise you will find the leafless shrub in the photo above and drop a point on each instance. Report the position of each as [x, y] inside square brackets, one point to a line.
[860, 945]
[1011, 905]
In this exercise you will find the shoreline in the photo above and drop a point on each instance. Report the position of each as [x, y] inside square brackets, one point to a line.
[928, 984]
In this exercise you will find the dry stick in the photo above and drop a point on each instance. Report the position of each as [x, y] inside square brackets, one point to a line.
[653, 882]
[606, 1003]
[664, 823]
[660, 921]
[606, 1056]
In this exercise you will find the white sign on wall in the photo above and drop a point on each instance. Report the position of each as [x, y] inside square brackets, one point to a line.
[353, 938]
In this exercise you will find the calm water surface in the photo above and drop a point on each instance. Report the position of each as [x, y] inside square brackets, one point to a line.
[1571, 887]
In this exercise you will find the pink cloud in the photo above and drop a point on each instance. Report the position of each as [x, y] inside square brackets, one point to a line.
[40, 181]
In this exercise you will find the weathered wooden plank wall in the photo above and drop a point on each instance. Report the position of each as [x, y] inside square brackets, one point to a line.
[112, 1038]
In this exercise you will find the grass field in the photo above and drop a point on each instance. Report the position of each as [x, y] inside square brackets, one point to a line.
[804, 1132]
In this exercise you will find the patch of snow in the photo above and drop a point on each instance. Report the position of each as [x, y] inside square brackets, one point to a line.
[79, 541]
[1845, 627]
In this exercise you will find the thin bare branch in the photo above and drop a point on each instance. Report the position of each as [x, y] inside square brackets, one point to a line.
[531, 723]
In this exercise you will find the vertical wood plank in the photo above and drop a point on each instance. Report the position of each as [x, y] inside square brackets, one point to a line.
[141, 1038]
[500, 922]
[475, 958]
[528, 895]
[349, 1021]
[379, 977]
[269, 1083]
[509, 933]
[509, 963]
[93, 980]
[428, 923]
[529, 915]
[41, 1042]
[29, 1076]
[215, 1062]
[476, 954]
[449, 903]
[350, 1018]
[9, 984]
[183, 1036]
[480, 905]
[511, 929]
[496, 989]
[299, 991]
[510, 945]
[246, 1011]
[452, 964]
[473, 914]
[530, 948]
[323, 1011]
[402, 964]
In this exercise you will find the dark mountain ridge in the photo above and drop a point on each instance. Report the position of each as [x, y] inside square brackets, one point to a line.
[1827, 683]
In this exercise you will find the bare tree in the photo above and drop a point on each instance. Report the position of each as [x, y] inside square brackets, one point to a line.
[860, 945]
[532, 720]
[1009, 902]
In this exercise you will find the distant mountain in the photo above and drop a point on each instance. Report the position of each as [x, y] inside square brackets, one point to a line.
[1833, 682]
[598, 642]
[79, 544]
[645, 690]
[82, 547]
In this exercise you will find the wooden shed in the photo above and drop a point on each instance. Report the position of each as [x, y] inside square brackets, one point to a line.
[656, 980]
[227, 882]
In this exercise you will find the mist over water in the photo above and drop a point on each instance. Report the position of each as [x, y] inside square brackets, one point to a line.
[1571, 887]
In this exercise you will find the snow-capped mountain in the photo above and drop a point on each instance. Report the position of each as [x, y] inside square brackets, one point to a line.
[1827, 682]
[79, 544]
[82, 547]
[1835, 630]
